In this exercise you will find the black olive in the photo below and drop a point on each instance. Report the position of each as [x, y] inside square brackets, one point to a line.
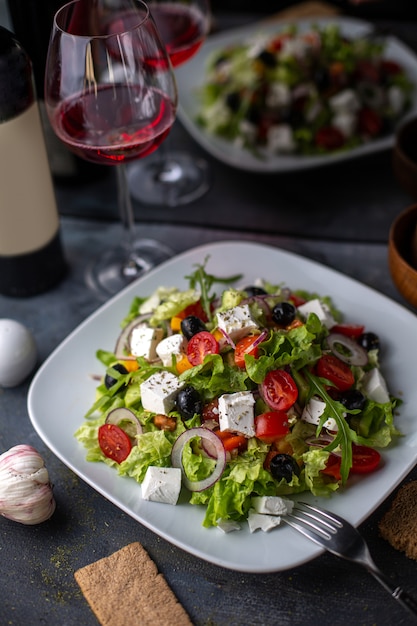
[109, 380]
[283, 313]
[352, 399]
[369, 341]
[267, 58]
[255, 291]
[192, 325]
[188, 402]
[284, 466]
[233, 101]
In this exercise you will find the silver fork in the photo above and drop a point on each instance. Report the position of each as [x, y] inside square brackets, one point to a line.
[339, 537]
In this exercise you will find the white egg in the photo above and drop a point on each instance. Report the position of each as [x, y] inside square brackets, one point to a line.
[18, 353]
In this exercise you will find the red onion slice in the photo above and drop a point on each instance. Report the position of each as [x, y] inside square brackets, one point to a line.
[356, 354]
[213, 442]
[122, 414]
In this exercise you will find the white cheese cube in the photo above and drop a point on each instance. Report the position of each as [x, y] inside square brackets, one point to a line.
[280, 138]
[173, 345]
[320, 309]
[396, 99]
[374, 386]
[345, 122]
[143, 341]
[313, 411]
[345, 101]
[236, 322]
[227, 525]
[236, 413]
[279, 95]
[159, 391]
[263, 522]
[272, 505]
[162, 484]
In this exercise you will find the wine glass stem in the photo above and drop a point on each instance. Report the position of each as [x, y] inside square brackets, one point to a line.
[132, 265]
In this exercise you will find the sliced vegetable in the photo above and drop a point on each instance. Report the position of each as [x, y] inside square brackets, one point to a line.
[336, 371]
[347, 349]
[200, 345]
[247, 345]
[114, 442]
[213, 442]
[122, 414]
[271, 426]
[279, 390]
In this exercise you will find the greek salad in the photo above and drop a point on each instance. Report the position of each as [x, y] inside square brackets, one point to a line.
[302, 93]
[236, 397]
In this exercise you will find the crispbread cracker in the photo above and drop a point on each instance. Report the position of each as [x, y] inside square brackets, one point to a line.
[125, 589]
[399, 524]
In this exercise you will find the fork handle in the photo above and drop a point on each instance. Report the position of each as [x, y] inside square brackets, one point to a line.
[407, 601]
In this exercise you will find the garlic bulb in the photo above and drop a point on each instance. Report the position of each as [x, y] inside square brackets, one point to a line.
[25, 490]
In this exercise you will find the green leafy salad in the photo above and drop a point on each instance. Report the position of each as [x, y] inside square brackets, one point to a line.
[302, 93]
[241, 393]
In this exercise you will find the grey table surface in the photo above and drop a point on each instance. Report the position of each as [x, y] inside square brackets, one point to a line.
[339, 217]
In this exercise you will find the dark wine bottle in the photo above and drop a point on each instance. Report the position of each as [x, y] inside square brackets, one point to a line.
[32, 24]
[31, 254]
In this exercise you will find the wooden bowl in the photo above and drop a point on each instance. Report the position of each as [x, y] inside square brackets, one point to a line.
[402, 254]
[404, 157]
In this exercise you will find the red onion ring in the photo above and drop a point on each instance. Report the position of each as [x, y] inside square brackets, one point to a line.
[122, 414]
[357, 355]
[212, 440]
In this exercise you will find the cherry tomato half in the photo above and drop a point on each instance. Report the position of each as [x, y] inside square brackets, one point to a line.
[279, 390]
[329, 138]
[200, 345]
[114, 442]
[336, 371]
[271, 426]
[364, 461]
[245, 346]
[349, 330]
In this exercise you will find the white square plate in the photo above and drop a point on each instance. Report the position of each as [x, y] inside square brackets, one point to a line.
[62, 391]
[190, 77]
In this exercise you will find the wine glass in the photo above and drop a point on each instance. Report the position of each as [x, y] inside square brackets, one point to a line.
[174, 178]
[111, 97]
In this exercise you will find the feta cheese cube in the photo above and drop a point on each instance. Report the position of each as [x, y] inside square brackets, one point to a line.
[263, 522]
[173, 345]
[280, 138]
[162, 484]
[320, 309]
[143, 341]
[159, 391]
[345, 101]
[227, 525]
[374, 386]
[236, 322]
[396, 99]
[345, 122]
[236, 413]
[313, 411]
[272, 505]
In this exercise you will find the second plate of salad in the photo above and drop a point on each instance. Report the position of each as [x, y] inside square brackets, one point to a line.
[279, 353]
[279, 97]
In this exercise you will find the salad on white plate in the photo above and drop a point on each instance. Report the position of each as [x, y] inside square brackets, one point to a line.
[239, 398]
[302, 92]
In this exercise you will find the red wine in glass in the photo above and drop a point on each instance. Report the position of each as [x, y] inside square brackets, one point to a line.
[182, 28]
[113, 124]
[174, 178]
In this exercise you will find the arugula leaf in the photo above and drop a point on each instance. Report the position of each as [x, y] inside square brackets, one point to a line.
[345, 435]
[205, 282]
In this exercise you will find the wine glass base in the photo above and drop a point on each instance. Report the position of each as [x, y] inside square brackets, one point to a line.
[115, 269]
[176, 179]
